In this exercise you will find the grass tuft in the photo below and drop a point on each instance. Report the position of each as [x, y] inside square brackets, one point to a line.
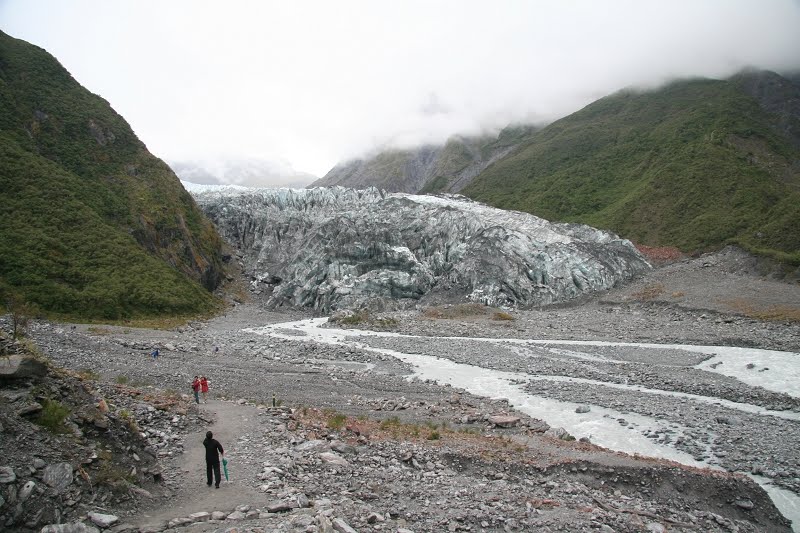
[53, 416]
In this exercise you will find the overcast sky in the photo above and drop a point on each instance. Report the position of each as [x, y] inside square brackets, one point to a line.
[313, 83]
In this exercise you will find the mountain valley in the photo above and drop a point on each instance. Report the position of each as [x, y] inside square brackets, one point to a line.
[387, 356]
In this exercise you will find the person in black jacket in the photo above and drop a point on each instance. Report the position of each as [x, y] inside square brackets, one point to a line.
[212, 458]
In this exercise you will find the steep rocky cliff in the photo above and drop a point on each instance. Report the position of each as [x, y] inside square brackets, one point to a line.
[334, 248]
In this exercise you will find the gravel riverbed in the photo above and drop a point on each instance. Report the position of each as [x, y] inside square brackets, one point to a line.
[478, 475]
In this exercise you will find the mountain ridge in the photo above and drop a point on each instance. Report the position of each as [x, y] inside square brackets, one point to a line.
[696, 164]
[445, 168]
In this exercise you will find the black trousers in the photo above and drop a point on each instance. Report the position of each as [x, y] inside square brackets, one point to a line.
[215, 468]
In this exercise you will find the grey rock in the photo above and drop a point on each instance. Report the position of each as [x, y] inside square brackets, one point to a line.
[73, 527]
[745, 504]
[21, 367]
[7, 474]
[333, 459]
[583, 409]
[30, 409]
[310, 445]
[178, 522]
[279, 506]
[341, 526]
[58, 476]
[201, 516]
[102, 520]
[26, 491]
[558, 433]
[324, 524]
[303, 501]
[504, 421]
[236, 515]
[342, 447]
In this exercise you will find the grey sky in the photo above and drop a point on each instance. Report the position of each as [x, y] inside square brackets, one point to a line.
[313, 83]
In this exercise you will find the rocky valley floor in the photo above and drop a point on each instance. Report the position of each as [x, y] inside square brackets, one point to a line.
[441, 421]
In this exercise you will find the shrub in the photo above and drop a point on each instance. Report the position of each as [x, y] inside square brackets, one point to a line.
[129, 420]
[20, 313]
[775, 313]
[390, 422]
[336, 421]
[649, 292]
[434, 435]
[456, 311]
[114, 477]
[358, 317]
[88, 373]
[385, 322]
[53, 416]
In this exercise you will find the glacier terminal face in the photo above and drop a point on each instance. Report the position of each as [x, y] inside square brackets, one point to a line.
[335, 248]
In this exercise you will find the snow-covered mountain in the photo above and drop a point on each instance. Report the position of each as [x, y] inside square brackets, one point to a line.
[250, 172]
[329, 248]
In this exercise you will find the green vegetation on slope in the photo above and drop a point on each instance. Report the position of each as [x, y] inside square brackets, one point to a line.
[92, 224]
[693, 165]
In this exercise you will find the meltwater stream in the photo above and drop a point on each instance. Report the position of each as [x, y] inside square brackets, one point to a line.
[596, 424]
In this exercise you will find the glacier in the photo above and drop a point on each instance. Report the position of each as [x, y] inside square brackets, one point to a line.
[338, 248]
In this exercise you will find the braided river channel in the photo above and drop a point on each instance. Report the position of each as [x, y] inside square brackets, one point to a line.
[629, 417]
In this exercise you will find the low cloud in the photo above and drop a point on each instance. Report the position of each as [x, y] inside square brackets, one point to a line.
[319, 82]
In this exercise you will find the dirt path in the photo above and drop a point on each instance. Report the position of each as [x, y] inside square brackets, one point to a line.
[193, 495]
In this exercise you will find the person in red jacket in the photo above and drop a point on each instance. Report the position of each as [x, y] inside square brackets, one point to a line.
[204, 388]
[196, 389]
[212, 458]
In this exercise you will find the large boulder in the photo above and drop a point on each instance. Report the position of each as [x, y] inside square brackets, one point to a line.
[21, 367]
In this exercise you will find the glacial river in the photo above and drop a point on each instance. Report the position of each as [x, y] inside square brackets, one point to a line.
[784, 377]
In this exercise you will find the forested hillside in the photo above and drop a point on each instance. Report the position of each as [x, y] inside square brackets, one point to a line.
[91, 223]
[696, 164]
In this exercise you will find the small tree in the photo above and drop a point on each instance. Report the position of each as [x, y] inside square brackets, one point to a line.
[20, 312]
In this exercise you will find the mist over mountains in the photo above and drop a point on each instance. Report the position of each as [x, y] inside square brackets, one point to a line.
[430, 168]
[697, 164]
[250, 172]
